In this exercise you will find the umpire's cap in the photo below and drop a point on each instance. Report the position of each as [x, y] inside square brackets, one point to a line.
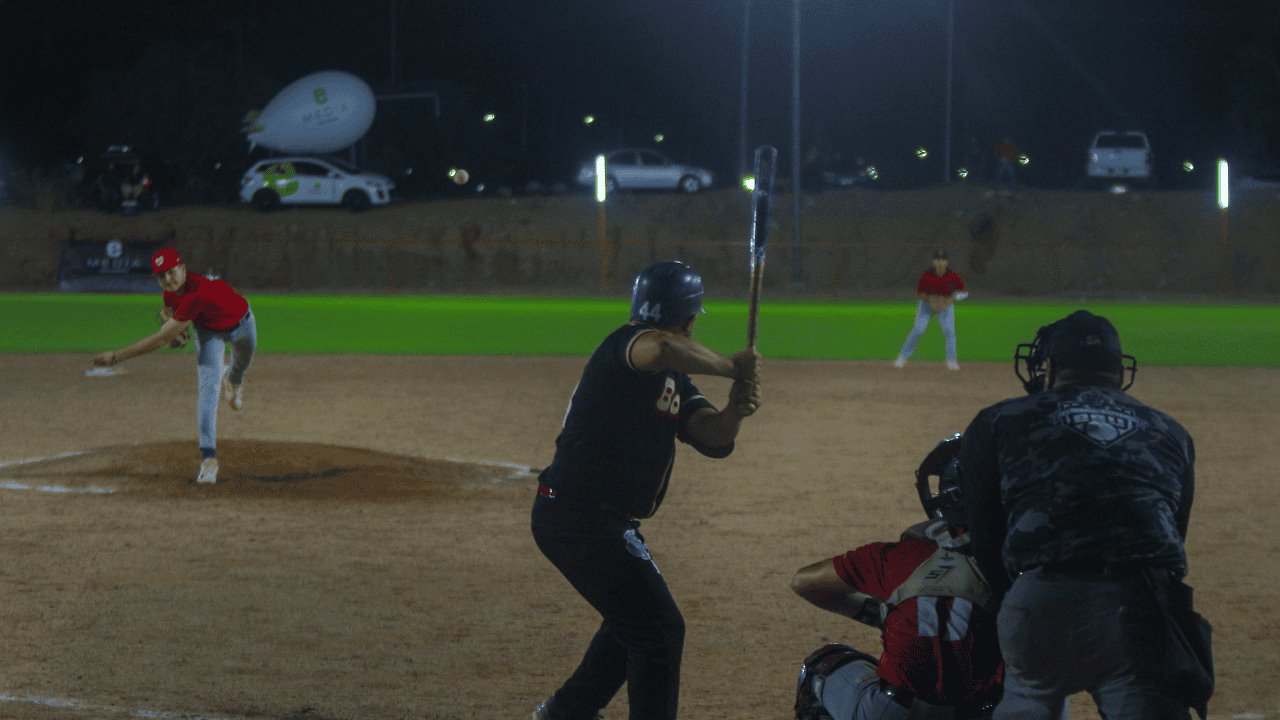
[1084, 341]
[666, 294]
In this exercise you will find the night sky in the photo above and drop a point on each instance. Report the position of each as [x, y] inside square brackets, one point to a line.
[1201, 78]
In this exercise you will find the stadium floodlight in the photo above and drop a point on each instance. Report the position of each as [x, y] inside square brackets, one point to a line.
[602, 183]
[962, 173]
[749, 183]
[659, 138]
[1224, 181]
[588, 120]
[1188, 166]
[489, 117]
[1024, 159]
[922, 152]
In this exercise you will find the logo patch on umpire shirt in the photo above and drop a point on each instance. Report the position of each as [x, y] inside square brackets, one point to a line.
[1098, 420]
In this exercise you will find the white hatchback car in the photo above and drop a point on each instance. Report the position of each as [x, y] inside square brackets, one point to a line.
[268, 184]
[645, 170]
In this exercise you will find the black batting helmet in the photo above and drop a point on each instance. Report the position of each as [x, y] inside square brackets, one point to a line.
[666, 294]
[943, 462]
[1080, 341]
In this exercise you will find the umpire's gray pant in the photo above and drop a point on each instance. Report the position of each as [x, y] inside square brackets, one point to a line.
[1063, 633]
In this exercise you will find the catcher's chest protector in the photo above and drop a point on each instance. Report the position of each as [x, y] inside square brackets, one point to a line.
[947, 573]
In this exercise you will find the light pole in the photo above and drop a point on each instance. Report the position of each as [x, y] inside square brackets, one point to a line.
[797, 276]
[392, 75]
[742, 90]
[951, 41]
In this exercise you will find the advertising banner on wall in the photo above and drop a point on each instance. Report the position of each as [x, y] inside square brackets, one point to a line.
[112, 266]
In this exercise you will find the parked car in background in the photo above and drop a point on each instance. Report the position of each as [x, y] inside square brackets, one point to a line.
[1263, 181]
[268, 184]
[121, 182]
[631, 169]
[1119, 155]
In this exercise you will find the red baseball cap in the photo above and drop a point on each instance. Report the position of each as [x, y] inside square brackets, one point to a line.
[164, 259]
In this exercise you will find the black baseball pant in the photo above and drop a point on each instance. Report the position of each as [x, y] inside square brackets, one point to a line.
[641, 638]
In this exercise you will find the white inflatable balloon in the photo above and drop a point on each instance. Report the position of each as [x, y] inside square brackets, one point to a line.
[321, 113]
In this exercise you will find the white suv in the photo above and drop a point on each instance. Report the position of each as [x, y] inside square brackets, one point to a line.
[1118, 155]
[268, 184]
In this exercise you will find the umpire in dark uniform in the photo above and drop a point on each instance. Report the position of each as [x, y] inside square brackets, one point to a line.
[1079, 498]
[612, 464]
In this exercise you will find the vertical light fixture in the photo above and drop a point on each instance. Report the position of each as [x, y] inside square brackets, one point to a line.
[1224, 182]
[602, 184]
[602, 192]
[1224, 239]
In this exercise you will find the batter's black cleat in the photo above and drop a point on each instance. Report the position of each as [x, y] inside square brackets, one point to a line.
[543, 711]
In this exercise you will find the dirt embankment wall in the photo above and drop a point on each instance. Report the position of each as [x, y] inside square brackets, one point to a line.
[855, 244]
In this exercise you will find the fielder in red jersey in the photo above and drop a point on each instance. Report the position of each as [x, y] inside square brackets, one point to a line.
[936, 293]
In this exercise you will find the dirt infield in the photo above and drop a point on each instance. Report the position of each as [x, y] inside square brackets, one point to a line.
[369, 554]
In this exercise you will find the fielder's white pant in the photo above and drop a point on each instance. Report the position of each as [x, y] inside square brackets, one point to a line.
[210, 349]
[946, 320]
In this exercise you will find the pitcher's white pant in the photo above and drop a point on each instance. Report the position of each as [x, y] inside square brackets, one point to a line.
[946, 320]
[210, 349]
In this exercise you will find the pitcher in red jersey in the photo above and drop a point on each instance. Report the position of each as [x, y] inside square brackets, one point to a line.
[220, 316]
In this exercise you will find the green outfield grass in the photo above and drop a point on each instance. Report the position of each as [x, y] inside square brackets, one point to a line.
[1157, 334]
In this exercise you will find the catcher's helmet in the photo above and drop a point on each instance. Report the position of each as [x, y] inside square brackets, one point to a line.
[666, 294]
[1080, 341]
[943, 462]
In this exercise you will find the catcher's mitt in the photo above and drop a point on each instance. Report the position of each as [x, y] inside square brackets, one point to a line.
[181, 340]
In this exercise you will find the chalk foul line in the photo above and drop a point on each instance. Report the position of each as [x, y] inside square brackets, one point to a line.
[28, 461]
[81, 706]
[56, 489]
[518, 471]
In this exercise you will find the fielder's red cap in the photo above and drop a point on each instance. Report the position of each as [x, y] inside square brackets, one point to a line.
[164, 259]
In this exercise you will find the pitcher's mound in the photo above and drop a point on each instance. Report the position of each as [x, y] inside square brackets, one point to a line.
[263, 469]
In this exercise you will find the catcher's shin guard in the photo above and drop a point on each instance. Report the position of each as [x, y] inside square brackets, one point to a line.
[821, 663]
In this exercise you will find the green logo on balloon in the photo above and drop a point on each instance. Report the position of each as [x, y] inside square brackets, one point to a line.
[320, 96]
[280, 177]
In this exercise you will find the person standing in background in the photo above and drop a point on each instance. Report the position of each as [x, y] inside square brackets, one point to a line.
[936, 292]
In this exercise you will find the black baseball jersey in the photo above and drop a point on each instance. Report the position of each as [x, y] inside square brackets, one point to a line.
[618, 443]
[1079, 472]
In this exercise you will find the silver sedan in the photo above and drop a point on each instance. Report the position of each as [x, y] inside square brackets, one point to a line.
[645, 170]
